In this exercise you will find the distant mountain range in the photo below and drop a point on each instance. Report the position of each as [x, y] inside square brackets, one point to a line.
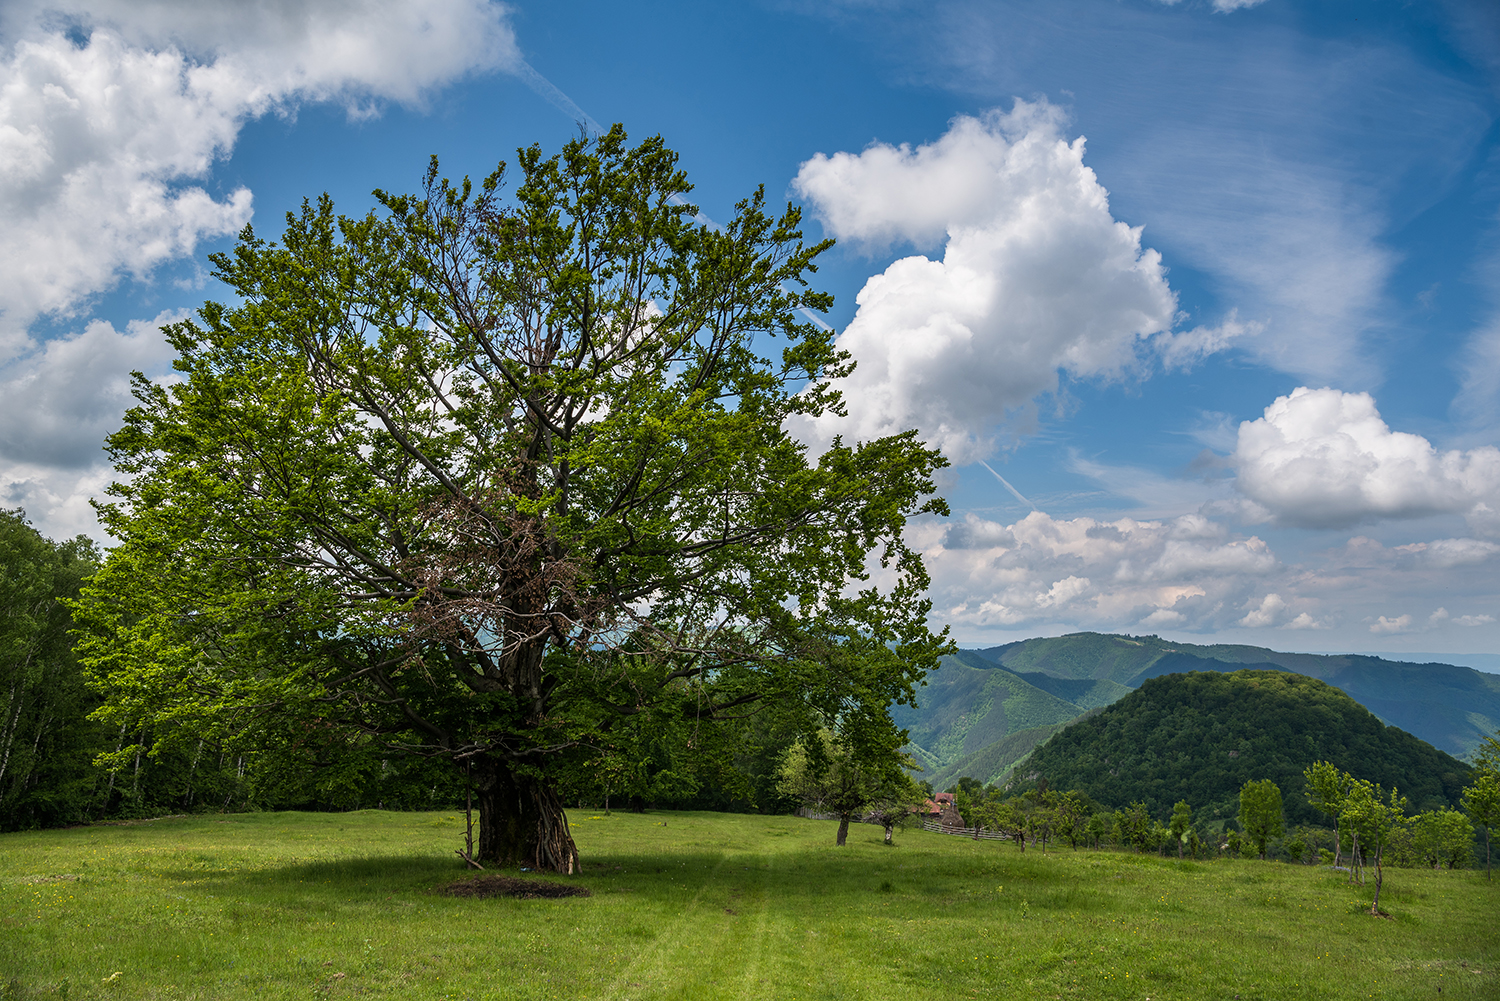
[983, 711]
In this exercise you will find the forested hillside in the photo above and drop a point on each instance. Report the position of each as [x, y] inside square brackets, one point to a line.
[966, 710]
[1200, 736]
[1452, 708]
[960, 727]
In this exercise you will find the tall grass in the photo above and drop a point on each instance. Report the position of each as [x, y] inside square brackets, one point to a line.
[696, 905]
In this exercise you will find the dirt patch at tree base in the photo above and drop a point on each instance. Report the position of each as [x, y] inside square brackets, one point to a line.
[513, 886]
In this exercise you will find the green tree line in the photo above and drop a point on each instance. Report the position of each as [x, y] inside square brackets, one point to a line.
[61, 765]
[1374, 827]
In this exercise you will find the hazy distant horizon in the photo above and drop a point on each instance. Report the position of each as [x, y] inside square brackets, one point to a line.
[1489, 663]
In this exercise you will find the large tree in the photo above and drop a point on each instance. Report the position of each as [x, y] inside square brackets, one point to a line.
[484, 477]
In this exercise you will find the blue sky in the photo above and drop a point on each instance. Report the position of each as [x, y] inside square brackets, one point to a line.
[1214, 286]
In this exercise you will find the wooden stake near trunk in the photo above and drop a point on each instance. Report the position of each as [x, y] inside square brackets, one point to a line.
[467, 851]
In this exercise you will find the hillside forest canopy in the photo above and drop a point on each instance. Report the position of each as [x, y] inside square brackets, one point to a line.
[500, 477]
[1202, 735]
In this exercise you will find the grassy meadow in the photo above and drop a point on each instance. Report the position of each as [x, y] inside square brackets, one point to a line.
[698, 905]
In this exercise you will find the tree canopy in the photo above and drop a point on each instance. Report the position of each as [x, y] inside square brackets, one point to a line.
[45, 743]
[1260, 813]
[507, 480]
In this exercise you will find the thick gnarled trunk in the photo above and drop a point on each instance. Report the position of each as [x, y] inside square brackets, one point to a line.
[521, 821]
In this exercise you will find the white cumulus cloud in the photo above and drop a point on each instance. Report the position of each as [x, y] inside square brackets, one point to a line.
[1268, 612]
[1399, 624]
[1325, 458]
[112, 114]
[1036, 277]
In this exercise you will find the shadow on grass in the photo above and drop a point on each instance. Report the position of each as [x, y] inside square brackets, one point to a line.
[371, 874]
[798, 880]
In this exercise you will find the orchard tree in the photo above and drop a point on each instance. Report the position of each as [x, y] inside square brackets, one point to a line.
[1326, 788]
[896, 797]
[832, 774]
[1069, 810]
[1181, 823]
[480, 477]
[1481, 800]
[1006, 817]
[1443, 837]
[1133, 826]
[1260, 813]
[1099, 826]
[1373, 818]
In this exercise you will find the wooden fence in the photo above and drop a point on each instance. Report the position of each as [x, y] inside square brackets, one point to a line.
[968, 832]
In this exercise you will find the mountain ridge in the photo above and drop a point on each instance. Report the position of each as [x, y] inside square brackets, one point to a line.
[1049, 682]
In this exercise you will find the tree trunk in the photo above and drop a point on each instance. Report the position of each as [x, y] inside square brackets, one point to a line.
[1338, 844]
[521, 821]
[843, 830]
[1379, 874]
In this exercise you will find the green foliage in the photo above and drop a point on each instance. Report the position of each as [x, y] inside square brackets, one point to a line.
[46, 744]
[1181, 822]
[1133, 826]
[1325, 787]
[1443, 839]
[1481, 800]
[1487, 755]
[509, 482]
[1070, 812]
[1260, 813]
[1201, 736]
[828, 774]
[1294, 846]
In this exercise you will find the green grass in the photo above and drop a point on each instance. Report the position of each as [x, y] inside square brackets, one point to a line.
[695, 905]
